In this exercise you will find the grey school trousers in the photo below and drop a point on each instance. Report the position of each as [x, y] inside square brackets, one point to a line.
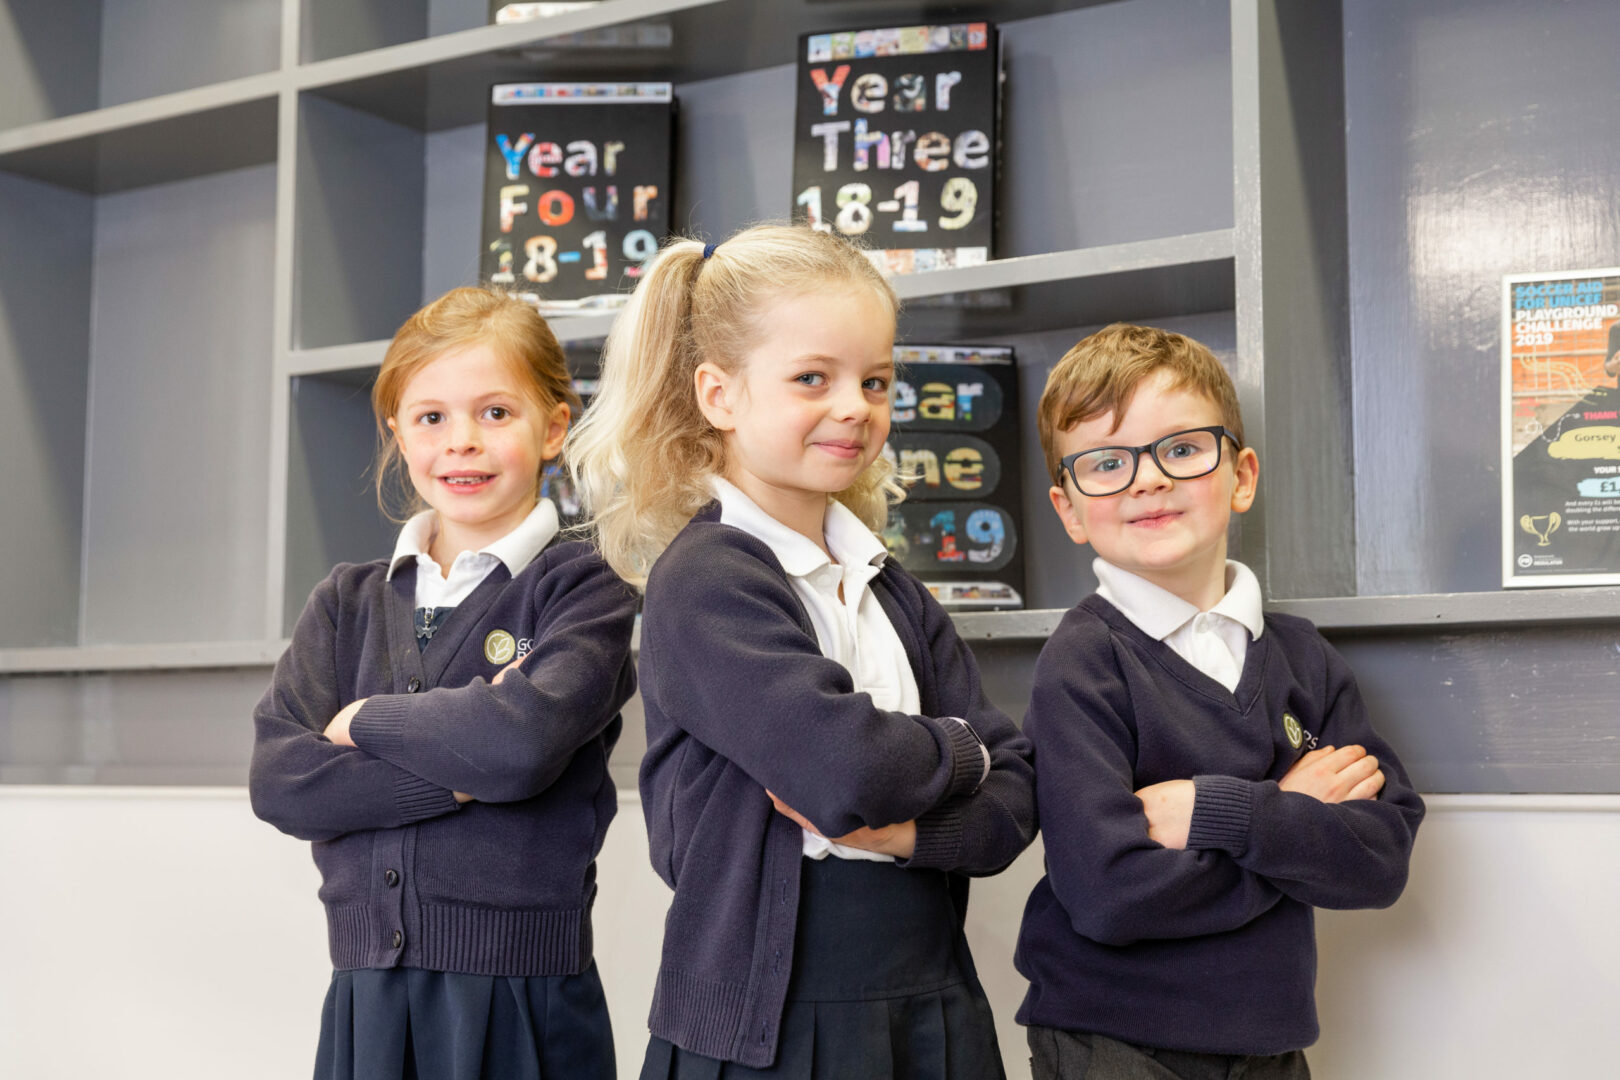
[1074, 1055]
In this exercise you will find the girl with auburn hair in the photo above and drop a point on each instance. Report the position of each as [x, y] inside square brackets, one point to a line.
[440, 726]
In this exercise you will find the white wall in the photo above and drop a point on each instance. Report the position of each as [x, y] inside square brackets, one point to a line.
[124, 955]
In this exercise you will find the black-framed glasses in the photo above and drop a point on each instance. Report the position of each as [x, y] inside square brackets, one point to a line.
[1181, 455]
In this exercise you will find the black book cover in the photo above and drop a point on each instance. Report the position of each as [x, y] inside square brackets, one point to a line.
[577, 187]
[954, 426]
[895, 141]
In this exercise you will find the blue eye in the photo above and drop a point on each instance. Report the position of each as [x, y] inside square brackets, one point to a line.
[1105, 463]
[877, 384]
[810, 378]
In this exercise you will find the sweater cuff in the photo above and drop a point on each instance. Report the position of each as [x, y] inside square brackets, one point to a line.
[939, 837]
[970, 762]
[419, 799]
[379, 727]
[1220, 816]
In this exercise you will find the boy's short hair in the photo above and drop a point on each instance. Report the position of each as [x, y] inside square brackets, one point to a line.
[1100, 375]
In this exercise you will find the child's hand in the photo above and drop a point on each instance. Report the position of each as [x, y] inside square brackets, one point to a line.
[1169, 807]
[898, 840]
[462, 797]
[1335, 775]
[501, 674]
[338, 730]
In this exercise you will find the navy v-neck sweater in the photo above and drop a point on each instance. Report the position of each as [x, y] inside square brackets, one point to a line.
[499, 886]
[1210, 948]
[740, 699]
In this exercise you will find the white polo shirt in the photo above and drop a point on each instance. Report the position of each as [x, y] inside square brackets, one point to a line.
[435, 588]
[1215, 642]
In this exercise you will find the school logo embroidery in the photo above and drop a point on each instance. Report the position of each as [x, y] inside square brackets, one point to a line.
[1295, 733]
[499, 647]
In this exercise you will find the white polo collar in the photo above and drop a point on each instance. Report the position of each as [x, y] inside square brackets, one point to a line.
[851, 542]
[1160, 613]
[516, 549]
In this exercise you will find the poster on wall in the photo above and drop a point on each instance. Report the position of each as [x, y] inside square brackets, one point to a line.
[577, 182]
[895, 141]
[1561, 428]
[954, 427]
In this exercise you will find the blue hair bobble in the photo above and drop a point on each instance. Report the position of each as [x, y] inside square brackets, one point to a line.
[708, 249]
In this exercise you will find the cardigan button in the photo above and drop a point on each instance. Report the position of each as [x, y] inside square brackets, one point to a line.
[414, 685]
[399, 938]
[392, 877]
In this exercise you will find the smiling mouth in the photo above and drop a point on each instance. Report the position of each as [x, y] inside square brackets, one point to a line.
[466, 480]
[842, 449]
[1155, 518]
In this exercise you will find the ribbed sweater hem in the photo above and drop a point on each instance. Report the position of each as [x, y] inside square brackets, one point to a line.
[379, 726]
[701, 1015]
[967, 756]
[468, 940]
[939, 837]
[1220, 817]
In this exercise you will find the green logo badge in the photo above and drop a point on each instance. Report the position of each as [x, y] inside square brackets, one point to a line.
[500, 648]
[1291, 728]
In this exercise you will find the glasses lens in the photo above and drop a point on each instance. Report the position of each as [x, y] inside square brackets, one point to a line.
[1187, 454]
[1105, 471]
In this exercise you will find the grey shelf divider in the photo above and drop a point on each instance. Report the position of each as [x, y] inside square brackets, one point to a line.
[435, 82]
[64, 660]
[155, 140]
[1439, 612]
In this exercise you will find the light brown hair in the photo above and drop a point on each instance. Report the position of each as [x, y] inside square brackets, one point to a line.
[460, 319]
[1100, 375]
[643, 455]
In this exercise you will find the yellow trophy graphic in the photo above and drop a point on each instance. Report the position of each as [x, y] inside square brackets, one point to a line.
[1541, 526]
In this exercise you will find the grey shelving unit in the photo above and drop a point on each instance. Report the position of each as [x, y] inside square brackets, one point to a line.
[213, 217]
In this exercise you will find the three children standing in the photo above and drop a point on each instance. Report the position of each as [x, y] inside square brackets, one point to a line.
[824, 771]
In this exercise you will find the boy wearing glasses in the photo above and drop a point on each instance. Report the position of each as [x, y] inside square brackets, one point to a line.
[1205, 774]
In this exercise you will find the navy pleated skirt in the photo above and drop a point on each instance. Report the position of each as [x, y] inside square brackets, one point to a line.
[407, 1023]
[876, 990]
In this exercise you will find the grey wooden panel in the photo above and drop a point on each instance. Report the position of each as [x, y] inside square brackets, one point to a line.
[332, 513]
[359, 209]
[453, 218]
[1481, 144]
[45, 246]
[50, 58]
[151, 47]
[175, 509]
[448, 16]
[1118, 125]
[338, 27]
[129, 728]
[1494, 710]
[1293, 319]
[734, 151]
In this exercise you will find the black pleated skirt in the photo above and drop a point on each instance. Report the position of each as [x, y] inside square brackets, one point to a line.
[411, 1024]
[876, 990]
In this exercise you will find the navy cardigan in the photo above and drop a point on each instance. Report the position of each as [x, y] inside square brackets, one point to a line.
[1210, 948]
[738, 699]
[499, 886]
